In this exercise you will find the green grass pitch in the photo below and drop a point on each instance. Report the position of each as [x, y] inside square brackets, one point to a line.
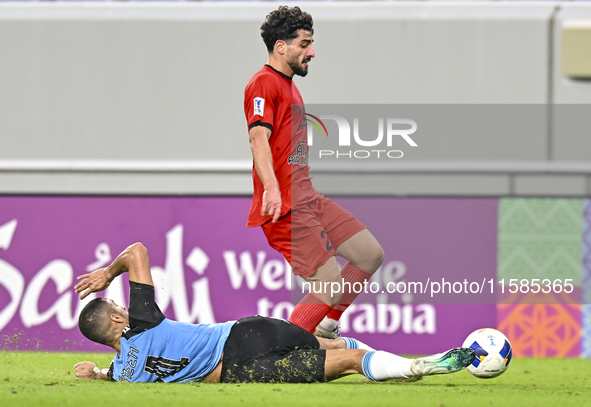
[48, 379]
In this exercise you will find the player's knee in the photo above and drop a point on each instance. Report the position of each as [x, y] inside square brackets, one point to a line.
[373, 258]
[378, 256]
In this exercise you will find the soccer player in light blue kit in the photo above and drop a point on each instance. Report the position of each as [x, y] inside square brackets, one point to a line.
[152, 348]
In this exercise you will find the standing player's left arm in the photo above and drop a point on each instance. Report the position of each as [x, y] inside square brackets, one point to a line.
[89, 371]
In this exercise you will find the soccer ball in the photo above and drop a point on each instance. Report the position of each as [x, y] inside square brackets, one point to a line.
[493, 353]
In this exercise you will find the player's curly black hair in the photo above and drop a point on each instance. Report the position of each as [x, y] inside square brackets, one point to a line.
[283, 24]
[94, 320]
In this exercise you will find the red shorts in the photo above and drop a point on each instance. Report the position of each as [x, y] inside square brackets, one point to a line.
[309, 235]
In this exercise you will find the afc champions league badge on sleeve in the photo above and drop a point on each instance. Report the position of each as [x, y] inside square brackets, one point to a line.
[259, 106]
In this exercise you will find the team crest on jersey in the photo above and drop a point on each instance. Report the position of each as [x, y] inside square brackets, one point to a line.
[259, 106]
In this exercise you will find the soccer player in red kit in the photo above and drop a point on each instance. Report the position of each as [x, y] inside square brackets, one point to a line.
[303, 225]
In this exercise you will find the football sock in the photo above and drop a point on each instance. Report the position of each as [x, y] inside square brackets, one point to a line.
[309, 312]
[352, 275]
[380, 365]
[355, 344]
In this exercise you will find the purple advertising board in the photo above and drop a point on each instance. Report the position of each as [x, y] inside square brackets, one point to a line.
[209, 267]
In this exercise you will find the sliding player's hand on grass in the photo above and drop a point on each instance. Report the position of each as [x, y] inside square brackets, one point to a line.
[98, 280]
[85, 370]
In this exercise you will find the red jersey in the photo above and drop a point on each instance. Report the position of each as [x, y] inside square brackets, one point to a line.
[271, 99]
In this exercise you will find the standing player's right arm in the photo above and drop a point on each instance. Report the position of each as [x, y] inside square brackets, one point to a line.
[263, 163]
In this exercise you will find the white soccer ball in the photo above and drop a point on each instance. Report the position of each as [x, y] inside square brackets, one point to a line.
[493, 353]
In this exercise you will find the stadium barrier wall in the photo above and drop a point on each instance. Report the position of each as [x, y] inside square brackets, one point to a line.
[208, 267]
[148, 98]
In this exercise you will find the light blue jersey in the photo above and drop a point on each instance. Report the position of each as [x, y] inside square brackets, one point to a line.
[171, 352]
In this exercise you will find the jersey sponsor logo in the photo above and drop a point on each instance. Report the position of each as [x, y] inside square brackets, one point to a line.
[259, 106]
[301, 155]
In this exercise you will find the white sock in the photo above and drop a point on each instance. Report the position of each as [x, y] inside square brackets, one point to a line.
[380, 365]
[355, 344]
[329, 324]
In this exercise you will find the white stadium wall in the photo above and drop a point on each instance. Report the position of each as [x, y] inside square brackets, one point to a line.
[144, 98]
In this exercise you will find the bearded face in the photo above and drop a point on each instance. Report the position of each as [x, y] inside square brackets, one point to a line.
[300, 52]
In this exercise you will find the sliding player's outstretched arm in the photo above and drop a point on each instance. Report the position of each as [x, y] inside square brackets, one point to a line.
[134, 260]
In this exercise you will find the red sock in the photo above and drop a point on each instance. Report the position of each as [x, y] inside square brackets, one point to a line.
[309, 312]
[352, 275]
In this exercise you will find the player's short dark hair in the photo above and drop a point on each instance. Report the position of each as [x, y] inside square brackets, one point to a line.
[94, 321]
[283, 24]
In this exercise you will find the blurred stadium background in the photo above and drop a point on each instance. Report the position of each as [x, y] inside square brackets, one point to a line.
[123, 122]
